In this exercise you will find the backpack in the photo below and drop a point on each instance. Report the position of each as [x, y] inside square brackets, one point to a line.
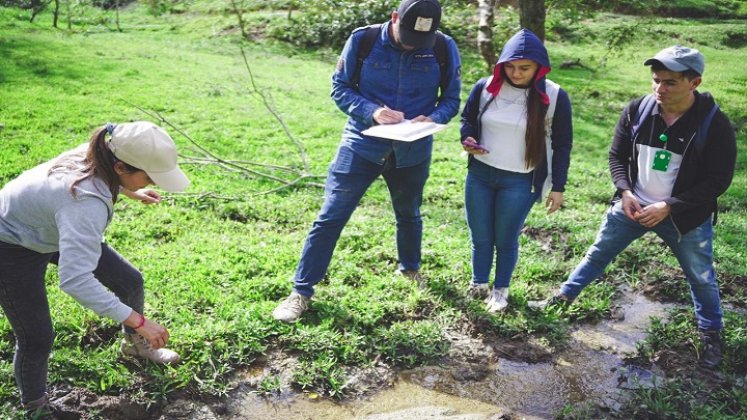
[369, 38]
[647, 105]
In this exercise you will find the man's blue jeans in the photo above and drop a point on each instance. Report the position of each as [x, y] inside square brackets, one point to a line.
[694, 251]
[497, 203]
[349, 177]
[23, 297]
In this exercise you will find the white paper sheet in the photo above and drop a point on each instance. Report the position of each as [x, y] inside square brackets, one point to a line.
[404, 131]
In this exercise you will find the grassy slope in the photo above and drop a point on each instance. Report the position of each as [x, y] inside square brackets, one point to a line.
[215, 269]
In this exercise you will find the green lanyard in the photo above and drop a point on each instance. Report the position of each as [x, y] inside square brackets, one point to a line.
[662, 157]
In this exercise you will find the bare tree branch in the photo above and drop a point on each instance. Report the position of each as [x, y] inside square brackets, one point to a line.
[299, 145]
[298, 176]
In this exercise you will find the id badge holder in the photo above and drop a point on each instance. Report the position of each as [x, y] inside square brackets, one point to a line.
[661, 160]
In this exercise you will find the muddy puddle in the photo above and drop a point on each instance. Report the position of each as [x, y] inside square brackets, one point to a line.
[589, 371]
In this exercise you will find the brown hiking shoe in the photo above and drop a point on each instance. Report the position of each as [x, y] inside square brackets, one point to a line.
[136, 345]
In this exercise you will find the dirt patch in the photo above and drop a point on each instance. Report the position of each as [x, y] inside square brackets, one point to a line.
[279, 365]
[733, 290]
[668, 284]
[552, 241]
[76, 403]
[478, 364]
[98, 336]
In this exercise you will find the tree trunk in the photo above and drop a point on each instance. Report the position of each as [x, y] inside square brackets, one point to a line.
[239, 11]
[485, 13]
[56, 15]
[36, 7]
[116, 15]
[533, 16]
[69, 15]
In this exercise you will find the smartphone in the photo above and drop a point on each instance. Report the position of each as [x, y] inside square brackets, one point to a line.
[475, 146]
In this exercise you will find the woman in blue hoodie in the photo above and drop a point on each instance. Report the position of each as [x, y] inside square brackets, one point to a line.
[516, 126]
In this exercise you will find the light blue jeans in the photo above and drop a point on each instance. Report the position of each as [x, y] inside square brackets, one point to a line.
[349, 178]
[694, 251]
[496, 203]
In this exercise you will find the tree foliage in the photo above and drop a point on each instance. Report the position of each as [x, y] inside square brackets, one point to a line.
[329, 22]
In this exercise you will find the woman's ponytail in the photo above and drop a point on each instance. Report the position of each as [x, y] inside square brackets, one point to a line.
[97, 161]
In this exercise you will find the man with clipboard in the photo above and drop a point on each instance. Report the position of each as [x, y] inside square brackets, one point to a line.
[398, 79]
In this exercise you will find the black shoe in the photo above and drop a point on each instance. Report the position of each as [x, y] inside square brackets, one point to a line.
[711, 356]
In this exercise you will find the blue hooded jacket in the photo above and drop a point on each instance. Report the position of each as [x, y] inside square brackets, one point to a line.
[526, 45]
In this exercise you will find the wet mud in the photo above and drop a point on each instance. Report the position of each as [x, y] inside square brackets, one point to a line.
[482, 377]
[478, 381]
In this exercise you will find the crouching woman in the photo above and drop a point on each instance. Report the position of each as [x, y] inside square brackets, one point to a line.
[57, 212]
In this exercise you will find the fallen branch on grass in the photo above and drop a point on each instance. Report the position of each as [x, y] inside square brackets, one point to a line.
[575, 63]
[286, 176]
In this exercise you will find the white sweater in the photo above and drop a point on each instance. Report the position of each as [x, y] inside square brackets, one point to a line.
[38, 212]
[503, 126]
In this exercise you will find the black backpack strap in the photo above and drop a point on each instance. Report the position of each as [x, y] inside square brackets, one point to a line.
[364, 49]
[369, 39]
[702, 134]
[644, 110]
[442, 57]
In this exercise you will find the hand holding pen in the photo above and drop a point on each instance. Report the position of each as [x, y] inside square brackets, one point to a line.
[386, 115]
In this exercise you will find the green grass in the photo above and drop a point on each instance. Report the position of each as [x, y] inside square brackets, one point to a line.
[692, 394]
[214, 269]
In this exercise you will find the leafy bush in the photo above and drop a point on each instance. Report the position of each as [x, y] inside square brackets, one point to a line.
[681, 8]
[329, 22]
[158, 7]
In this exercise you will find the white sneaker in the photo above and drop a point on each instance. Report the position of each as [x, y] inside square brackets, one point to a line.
[499, 300]
[136, 345]
[290, 309]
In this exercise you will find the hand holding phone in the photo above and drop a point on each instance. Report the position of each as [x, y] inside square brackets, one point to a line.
[474, 146]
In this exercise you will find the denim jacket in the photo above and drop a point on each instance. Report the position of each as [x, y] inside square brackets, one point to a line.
[406, 81]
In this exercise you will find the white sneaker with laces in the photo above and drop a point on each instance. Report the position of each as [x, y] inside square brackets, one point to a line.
[499, 300]
[290, 309]
[136, 345]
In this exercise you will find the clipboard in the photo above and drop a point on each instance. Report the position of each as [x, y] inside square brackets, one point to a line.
[407, 130]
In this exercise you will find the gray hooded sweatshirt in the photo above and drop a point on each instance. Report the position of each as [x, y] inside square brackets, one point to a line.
[38, 212]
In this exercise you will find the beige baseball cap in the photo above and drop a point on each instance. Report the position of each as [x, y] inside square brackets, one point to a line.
[148, 147]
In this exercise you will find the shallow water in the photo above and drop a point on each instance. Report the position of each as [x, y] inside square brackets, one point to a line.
[589, 371]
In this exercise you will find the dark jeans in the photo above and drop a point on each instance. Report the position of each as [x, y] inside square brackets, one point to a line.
[23, 297]
[349, 178]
